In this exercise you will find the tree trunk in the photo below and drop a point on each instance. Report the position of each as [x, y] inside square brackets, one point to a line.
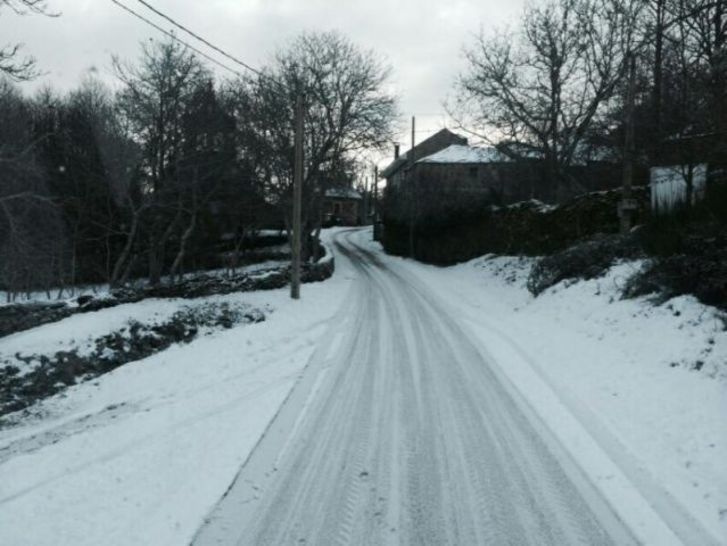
[126, 251]
[128, 269]
[157, 246]
[156, 249]
[689, 179]
[658, 77]
[183, 246]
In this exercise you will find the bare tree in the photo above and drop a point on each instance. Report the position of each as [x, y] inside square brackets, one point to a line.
[348, 109]
[101, 163]
[706, 36]
[542, 85]
[209, 172]
[154, 100]
[20, 69]
[32, 238]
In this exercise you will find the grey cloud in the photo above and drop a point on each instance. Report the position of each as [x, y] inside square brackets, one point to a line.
[421, 39]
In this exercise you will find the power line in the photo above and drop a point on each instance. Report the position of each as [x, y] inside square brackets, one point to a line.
[234, 59]
[209, 44]
[203, 40]
[176, 38]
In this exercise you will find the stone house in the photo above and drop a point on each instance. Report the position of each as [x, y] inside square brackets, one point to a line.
[449, 174]
[457, 178]
[397, 170]
[477, 174]
[342, 207]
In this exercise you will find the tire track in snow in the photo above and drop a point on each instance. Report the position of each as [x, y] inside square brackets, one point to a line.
[411, 439]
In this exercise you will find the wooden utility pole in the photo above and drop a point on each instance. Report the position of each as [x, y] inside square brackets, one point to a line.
[627, 206]
[366, 201]
[375, 208]
[412, 189]
[376, 193]
[297, 201]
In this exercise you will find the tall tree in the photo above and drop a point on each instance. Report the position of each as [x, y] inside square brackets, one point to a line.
[706, 34]
[208, 169]
[32, 238]
[543, 85]
[347, 109]
[154, 100]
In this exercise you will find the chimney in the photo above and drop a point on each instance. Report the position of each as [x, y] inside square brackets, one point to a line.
[396, 151]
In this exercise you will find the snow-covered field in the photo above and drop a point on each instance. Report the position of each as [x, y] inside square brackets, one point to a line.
[636, 392]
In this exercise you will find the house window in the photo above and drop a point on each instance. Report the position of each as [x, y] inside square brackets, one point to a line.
[473, 172]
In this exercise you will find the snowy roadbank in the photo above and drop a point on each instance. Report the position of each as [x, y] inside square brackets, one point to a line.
[648, 383]
[630, 399]
[141, 455]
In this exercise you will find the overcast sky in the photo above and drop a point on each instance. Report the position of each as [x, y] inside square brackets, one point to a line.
[421, 39]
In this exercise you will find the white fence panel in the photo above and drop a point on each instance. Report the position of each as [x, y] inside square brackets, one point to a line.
[669, 186]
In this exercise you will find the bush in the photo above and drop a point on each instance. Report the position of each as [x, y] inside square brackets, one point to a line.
[690, 250]
[135, 341]
[586, 260]
[529, 228]
[700, 269]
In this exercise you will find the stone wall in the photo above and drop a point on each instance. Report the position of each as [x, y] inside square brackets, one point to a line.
[19, 317]
[528, 228]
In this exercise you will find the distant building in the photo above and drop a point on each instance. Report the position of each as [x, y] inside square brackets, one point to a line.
[481, 174]
[447, 172]
[455, 178]
[397, 170]
[447, 188]
[342, 207]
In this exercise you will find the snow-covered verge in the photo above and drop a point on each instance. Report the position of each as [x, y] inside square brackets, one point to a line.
[18, 317]
[29, 374]
[141, 454]
[646, 382]
[71, 294]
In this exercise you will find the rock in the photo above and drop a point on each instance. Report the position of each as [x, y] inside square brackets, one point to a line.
[83, 300]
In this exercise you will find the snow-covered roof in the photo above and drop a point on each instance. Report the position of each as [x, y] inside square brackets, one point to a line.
[402, 160]
[343, 193]
[458, 153]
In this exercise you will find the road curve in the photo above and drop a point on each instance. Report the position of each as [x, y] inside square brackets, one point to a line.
[400, 432]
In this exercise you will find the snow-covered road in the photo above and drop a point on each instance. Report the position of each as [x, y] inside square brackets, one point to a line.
[403, 431]
[395, 403]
